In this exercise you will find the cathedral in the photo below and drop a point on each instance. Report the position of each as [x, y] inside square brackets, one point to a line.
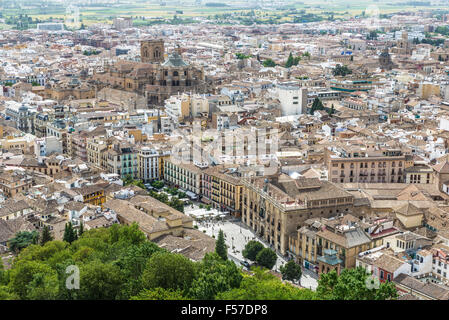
[154, 77]
[385, 61]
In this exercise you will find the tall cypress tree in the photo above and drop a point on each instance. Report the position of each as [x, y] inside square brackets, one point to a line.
[290, 61]
[81, 229]
[220, 246]
[46, 235]
[69, 233]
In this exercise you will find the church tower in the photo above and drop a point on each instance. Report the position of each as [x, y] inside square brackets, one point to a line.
[152, 51]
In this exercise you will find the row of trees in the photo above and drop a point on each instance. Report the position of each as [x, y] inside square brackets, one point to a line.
[174, 202]
[340, 70]
[23, 239]
[256, 252]
[120, 263]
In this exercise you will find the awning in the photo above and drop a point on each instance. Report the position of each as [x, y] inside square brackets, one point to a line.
[191, 195]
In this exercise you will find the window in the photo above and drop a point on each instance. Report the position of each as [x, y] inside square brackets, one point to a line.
[388, 277]
[381, 274]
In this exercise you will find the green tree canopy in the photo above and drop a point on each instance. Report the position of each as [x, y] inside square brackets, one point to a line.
[159, 294]
[220, 246]
[316, 105]
[214, 276]
[168, 271]
[266, 258]
[340, 70]
[251, 250]
[265, 286]
[22, 240]
[46, 235]
[269, 63]
[99, 281]
[291, 271]
[351, 284]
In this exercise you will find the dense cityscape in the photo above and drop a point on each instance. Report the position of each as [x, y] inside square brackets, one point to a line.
[224, 151]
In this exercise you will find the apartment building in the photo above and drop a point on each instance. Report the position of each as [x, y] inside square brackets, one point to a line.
[420, 173]
[121, 159]
[93, 194]
[148, 163]
[96, 148]
[14, 182]
[369, 164]
[222, 190]
[186, 176]
[278, 205]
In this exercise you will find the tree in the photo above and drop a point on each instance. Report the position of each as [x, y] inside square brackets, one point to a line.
[269, 63]
[33, 280]
[265, 286]
[23, 239]
[69, 233]
[332, 110]
[99, 281]
[340, 70]
[292, 61]
[251, 250]
[81, 229]
[220, 246]
[159, 294]
[168, 271]
[291, 271]
[133, 263]
[351, 284]
[289, 62]
[316, 105]
[266, 258]
[157, 184]
[46, 235]
[214, 276]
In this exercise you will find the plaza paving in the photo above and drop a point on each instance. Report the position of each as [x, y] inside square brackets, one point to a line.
[237, 235]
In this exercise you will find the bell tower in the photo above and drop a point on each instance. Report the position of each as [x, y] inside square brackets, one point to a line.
[152, 51]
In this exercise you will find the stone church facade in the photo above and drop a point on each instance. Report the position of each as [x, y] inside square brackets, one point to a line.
[155, 78]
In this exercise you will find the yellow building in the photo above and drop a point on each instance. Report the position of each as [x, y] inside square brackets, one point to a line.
[93, 194]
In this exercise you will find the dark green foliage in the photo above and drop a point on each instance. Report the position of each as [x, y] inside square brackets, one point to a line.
[214, 276]
[81, 229]
[291, 271]
[128, 180]
[332, 110]
[265, 286]
[242, 56]
[342, 71]
[70, 234]
[269, 63]
[266, 258]
[351, 285]
[159, 294]
[220, 246]
[120, 263]
[46, 235]
[168, 271]
[252, 248]
[157, 184]
[292, 61]
[22, 240]
[316, 105]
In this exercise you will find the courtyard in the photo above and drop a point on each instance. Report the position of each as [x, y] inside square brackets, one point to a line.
[237, 235]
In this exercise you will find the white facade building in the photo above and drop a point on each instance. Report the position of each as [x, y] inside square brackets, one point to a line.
[293, 99]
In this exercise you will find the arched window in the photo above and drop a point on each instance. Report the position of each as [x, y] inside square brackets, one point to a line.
[175, 73]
